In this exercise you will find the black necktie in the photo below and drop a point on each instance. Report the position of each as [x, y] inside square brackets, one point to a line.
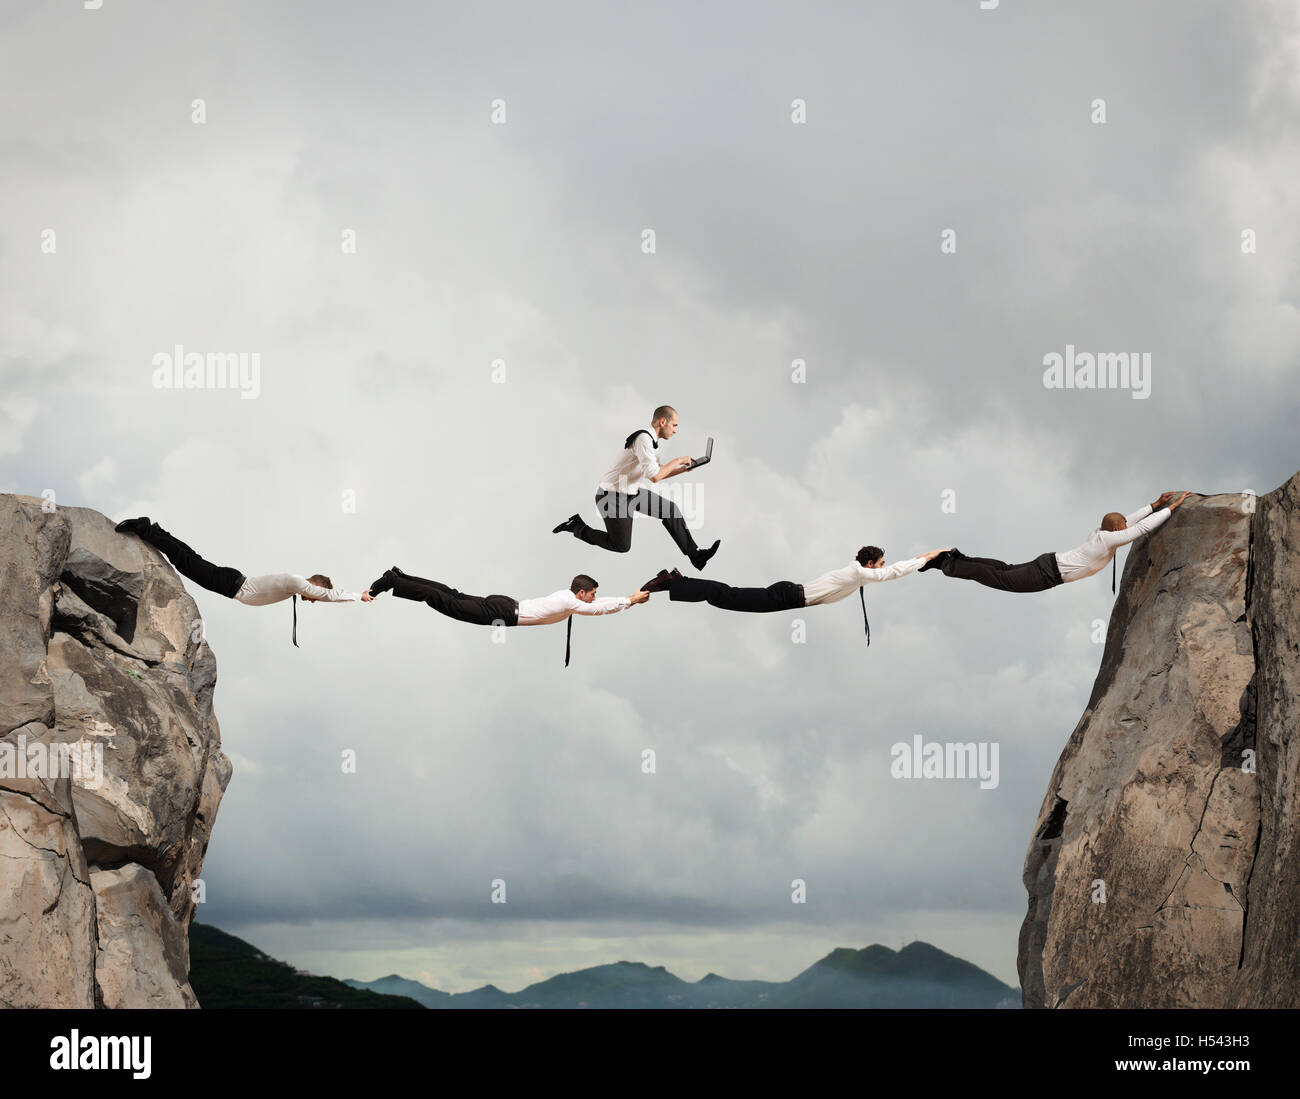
[568, 637]
[1114, 567]
[862, 596]
[295, 622]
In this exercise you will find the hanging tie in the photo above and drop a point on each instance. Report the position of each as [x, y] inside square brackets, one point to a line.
[295, 622]
[867, 624]
[1114, 567]
[568, 638]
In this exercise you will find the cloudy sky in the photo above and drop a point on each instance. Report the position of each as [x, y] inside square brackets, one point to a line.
[129, 227]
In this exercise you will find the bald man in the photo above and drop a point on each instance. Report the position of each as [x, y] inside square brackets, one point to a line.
[1049, 570]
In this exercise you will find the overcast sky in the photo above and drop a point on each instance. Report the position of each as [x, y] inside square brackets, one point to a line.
[522, 241]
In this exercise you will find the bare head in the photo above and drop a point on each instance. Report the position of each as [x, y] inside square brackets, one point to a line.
[664, 421]
[584, 587]
[1113, 520]
[321, 581]
[871, 557]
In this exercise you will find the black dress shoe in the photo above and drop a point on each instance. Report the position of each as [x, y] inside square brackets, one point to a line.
[383, 584]
[701, 557]
[659, 583]
[569, 525]
[936, 562]
[130, 526]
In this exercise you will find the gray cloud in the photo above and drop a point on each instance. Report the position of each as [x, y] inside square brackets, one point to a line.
[521, 242]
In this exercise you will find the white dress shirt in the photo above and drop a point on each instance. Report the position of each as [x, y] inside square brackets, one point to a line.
[831, 587]
[1095, 554]
[557, 606]
[632, 468]
[258, 591]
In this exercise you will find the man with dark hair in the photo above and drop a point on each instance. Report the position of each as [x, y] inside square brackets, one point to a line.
[488, 610]
[253, 591]
[1048, 570]
[619, 494]
[868, 568]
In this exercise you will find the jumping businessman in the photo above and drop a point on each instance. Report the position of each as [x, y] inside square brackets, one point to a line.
[785, 595]
[485, 610]
[619, 494]
[1050, 569]
[254, 591]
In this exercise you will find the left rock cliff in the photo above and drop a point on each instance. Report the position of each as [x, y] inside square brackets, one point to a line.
[111, 767]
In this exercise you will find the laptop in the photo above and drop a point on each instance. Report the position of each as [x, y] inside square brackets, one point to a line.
[708, 455]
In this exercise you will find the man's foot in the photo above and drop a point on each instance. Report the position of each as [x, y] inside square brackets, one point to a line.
[949, 559]
[383, 584]
[569, 525]
[130, 526]
[659, 583]
[700, 557]
[936, 562]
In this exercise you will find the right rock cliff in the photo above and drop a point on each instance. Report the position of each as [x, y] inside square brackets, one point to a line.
[1163, 869]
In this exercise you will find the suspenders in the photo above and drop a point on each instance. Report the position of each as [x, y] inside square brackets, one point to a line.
[632, 438]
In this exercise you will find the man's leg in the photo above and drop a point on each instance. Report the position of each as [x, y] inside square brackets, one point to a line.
[223, 581]
[616, 510]
[479, 610]
[781, 596]
[668, 513]
[661, 508]
[1029, 576]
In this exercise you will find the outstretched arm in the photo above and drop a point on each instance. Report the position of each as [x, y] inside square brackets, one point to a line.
[1142, 512]
[1113, 539]
[608, 604]
[308, 590]
[894, 571]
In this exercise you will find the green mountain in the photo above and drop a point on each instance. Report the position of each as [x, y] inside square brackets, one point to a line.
[918, 976]
[393, 985]
[228, 972]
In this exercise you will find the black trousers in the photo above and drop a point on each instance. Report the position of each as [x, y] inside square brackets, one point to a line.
[781, 596]
[479, 610]
[223, 581]
[617, 509]
[1037, 575]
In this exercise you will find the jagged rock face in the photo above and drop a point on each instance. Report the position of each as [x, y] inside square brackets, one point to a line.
[1270, 964]
[111, 767]
[1145, 886]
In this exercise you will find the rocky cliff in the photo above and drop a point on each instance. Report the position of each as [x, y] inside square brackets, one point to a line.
[1162, 870]
[111, 767]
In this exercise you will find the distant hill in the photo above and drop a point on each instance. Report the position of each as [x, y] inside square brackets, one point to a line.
[918, 976]
[228, 972]
[393, 985]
